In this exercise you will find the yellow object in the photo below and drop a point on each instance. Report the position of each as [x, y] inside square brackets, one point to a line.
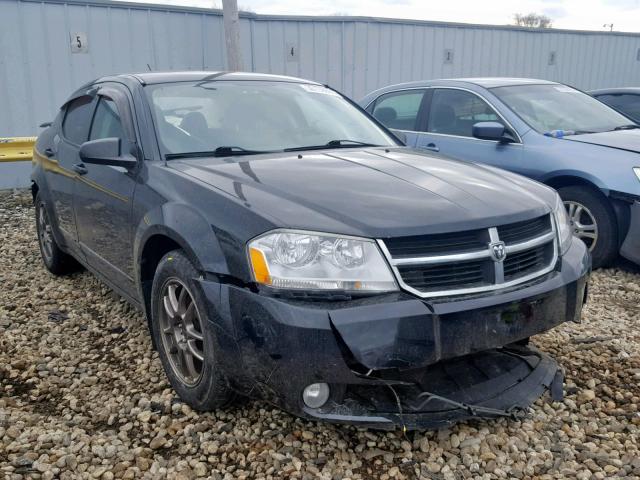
[260, 269]
[16, 149]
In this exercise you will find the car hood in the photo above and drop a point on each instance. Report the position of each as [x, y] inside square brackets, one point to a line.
[373, 192]
[622, 140]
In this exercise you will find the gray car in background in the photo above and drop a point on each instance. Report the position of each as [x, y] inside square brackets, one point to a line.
[625, 100]
[547, 131]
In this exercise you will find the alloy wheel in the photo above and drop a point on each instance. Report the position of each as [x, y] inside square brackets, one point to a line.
[181, 330]
[44, 234]
[583, 223]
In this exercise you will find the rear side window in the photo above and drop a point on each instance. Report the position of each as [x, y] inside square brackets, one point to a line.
[106, 122]
[399, 110]
[77, 118]
[628, 104]
[454, 112]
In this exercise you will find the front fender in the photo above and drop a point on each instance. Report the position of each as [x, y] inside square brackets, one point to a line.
[189, 229]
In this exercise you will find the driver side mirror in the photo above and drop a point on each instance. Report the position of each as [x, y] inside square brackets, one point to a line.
[106, 151]
[492, 131]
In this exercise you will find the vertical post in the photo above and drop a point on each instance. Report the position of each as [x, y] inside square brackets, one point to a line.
[232, 34]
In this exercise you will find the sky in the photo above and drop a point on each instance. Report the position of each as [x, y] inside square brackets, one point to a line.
[571, 14]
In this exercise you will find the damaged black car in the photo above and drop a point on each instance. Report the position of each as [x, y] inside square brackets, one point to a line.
[284, 245]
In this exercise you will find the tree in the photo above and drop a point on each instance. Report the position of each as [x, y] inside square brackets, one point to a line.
[532, 20]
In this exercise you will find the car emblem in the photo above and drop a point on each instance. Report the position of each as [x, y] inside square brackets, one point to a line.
[498, 251]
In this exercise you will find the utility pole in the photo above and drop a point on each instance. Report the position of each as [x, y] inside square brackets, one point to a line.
[232, 34]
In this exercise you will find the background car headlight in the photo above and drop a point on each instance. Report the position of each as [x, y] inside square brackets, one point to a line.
[637, 172]
[563, 225]
[313, 261]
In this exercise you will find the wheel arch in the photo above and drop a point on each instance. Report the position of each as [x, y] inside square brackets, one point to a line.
[620, 208]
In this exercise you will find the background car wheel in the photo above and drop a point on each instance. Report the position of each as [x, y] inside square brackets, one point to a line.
[184, 337]
[593, 221]
[56, 261]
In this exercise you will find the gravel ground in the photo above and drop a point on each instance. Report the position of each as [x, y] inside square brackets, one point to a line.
[82, 395]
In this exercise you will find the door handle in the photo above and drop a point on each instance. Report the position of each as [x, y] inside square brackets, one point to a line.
[49, 152]
[80, 169]
[432, 147]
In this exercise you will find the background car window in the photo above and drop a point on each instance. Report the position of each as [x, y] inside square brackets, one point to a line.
[399, 110]
[77, 119]
[550, 107]
[106, 121]
[454, 112]
[629, 104]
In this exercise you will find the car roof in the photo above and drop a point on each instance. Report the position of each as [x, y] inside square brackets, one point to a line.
[607, 91]
[151, 78]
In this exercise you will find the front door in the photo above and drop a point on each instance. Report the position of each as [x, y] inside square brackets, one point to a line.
[103, 195]
[449, 130]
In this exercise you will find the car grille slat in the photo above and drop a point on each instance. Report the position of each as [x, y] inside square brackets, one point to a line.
[468, 262]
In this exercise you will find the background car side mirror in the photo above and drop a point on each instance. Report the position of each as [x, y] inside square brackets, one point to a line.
[491, 131]
[106, 151]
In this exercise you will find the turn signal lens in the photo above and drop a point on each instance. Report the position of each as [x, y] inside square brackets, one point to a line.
[260, 268]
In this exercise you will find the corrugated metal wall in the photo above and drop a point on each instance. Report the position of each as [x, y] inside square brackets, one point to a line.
[353, 54]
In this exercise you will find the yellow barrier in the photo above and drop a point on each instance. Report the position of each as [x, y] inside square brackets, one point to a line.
[16, 149]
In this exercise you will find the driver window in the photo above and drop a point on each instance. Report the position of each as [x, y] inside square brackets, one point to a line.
[106, 121]
[454, 112]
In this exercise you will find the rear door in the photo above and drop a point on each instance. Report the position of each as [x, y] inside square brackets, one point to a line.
[63, 156]
[103, 195]
[449, 124]
[400, 111]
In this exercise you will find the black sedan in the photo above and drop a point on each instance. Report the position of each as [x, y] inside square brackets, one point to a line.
[284, 245]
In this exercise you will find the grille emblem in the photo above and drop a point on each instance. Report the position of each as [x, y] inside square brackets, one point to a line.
[498, 251]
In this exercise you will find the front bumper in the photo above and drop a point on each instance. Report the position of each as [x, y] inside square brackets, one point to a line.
[383, 355]
[630, 248]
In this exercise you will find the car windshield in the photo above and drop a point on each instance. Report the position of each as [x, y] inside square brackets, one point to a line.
[246, 117]
[550, 108]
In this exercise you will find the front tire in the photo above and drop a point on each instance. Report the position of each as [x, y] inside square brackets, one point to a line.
[56, 261]
[593, 221]
[184, 336]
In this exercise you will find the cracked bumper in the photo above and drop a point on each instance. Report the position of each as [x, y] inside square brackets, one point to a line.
[272, 348]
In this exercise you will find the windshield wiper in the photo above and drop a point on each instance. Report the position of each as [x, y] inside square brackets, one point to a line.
[333, 144]
[218, 152]
[631, 126]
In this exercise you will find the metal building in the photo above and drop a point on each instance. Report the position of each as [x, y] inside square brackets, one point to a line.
[50, 47]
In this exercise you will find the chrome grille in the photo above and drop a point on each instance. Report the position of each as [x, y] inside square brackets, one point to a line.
[475, 260]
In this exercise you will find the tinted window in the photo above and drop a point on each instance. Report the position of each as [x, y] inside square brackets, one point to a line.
[77, 119]
[399, 109]
[454, 112]
[548, 108]
[106, 122]
[627, 103]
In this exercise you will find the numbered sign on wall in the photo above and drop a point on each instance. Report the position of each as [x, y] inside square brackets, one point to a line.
[79, 42]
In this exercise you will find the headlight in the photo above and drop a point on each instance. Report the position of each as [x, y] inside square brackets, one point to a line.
[637, 172]
[563, 226]
[315, 261]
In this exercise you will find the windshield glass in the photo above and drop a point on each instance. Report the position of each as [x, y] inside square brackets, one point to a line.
[547, 108]
[254, 116]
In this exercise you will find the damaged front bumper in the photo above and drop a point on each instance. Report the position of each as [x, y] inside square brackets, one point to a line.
[396, 360]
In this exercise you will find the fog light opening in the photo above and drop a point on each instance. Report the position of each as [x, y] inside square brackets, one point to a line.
[315, 395]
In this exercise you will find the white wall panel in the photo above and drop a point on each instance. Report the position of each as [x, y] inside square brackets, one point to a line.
[352, 54]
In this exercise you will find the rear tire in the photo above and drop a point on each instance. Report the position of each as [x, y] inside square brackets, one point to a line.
[56, 261]
[184, 337]
[593, 221]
